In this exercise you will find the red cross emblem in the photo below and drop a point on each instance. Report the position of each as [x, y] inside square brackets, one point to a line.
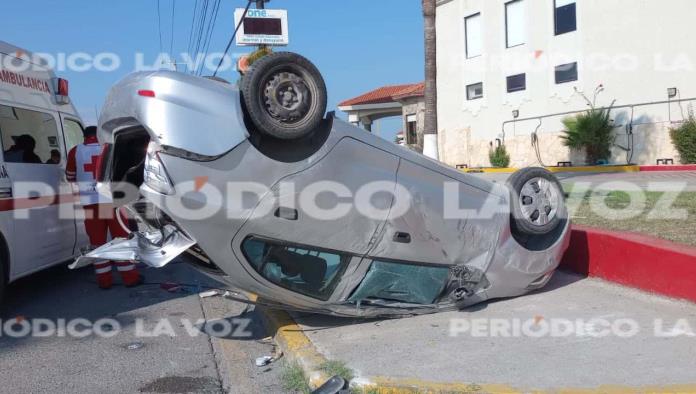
[92, 166]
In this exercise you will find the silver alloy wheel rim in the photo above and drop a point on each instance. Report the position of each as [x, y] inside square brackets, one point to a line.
[539, 201]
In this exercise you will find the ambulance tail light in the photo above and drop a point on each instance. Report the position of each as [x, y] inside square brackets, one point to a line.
[61, 87]
[156, 176]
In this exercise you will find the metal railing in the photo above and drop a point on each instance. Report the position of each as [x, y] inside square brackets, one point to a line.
[615, 107]
[629, 126]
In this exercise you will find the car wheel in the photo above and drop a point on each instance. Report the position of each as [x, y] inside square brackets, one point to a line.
[538, 205]
[3, 281]
[284, 95]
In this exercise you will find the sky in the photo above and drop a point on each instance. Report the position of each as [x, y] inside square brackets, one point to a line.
[358, 45]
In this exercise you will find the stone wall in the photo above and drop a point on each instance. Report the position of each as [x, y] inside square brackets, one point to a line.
[650, 143]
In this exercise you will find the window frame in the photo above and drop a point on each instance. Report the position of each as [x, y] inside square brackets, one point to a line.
[65, 136]
[555, 18]
[507, 26]
[561, 82]
[468, 97]
[466, 36]
[345, 257]
[58, 128]
[521, 89]
[407, 134]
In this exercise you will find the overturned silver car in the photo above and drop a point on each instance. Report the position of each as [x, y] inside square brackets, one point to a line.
[309, 212]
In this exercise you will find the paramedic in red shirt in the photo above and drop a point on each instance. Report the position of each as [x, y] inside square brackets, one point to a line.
[100, 215]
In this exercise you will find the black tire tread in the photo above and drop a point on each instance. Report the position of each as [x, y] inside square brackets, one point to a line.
[251, 83]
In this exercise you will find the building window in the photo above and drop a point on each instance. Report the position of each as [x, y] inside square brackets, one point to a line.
[565, 16]
[474, 91]
[515, 83]
[516, 30]
[474, 36]
[411, 130]
[567, 73]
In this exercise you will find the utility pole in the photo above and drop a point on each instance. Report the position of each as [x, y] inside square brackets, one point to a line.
[430, 145]
[260, 5]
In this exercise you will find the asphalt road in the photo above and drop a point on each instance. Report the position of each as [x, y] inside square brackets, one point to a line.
[219, 358]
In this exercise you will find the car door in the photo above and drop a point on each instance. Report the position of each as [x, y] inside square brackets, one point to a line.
[432, 231]
[326, 227]
[35, 158]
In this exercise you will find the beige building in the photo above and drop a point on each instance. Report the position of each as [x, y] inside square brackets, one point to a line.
[510, 71]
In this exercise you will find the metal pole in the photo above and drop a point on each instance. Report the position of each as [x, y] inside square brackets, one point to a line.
[260, 5]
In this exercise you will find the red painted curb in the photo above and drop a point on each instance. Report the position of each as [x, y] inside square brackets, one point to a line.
[633, 260]
[685, 167]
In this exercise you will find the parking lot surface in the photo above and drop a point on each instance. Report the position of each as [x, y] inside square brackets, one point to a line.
[439, 348]
[190, 361]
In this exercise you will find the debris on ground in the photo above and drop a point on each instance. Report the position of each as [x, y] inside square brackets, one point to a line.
[265, 360]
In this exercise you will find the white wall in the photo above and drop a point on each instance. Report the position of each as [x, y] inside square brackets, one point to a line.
[636, 48]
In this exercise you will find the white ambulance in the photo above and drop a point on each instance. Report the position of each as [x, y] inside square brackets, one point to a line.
[38, 127]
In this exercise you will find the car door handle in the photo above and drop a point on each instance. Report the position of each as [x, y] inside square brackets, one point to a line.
[34, 196]
[286, 213]
[402, 238]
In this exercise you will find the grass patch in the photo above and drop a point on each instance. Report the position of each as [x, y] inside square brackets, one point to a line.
[650, 213]
[294, 379]
[364, 390]
[337, 368]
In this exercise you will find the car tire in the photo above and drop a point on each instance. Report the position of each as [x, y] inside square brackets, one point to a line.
[3, 280]
[537, 201]
[284, 96]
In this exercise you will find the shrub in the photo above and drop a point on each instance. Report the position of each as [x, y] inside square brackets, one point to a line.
[684, 139]
[499, 157]
[591, 131]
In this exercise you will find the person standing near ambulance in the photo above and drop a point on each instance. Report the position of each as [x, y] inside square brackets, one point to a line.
[100, 214]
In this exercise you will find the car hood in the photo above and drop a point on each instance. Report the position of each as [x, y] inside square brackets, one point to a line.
[197, 115]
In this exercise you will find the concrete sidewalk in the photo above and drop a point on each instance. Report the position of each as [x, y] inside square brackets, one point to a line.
[424, 352]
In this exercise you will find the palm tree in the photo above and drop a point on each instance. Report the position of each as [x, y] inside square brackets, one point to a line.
[430, 132]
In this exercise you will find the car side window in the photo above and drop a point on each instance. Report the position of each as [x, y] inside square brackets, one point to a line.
[29, 137]
[301, 269]
[73, 134]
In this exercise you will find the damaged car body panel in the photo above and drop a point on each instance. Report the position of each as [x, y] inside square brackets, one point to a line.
[394, 260]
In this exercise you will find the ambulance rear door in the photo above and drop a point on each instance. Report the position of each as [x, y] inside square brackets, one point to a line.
[42, 199]
[73, 136]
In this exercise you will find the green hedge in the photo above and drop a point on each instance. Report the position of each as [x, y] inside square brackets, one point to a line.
[684, 139]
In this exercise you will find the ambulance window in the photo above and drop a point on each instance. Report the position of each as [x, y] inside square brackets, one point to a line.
[73, 134]
[29, 137]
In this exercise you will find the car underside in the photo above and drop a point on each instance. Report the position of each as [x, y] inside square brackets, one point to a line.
[326, 218]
